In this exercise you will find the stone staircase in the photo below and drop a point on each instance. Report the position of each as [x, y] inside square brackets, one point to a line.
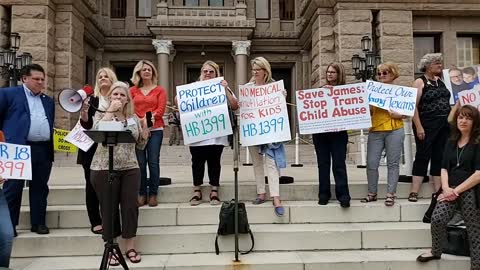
[175, 235]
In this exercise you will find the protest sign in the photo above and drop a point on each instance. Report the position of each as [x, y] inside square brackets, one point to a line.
[59, 143]
[15, 161]
[470, 97]
[263, 114]
[78, 138]
[203, 110]
[332, 109]
[395, 98]
[459, 79]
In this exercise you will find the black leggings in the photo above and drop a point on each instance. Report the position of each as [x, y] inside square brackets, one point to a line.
[211, 154]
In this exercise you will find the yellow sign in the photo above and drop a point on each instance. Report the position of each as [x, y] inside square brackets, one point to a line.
[59, 143]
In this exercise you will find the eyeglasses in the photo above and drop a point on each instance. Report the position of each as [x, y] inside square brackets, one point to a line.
[208, 71]
[331, 72]
[384, 73]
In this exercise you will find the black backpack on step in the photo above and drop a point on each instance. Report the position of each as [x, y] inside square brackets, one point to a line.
[226, 225]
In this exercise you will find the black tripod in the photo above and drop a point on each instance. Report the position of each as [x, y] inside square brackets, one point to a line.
[111, 139]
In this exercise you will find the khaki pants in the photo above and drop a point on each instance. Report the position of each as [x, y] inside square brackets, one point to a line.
[263, 165]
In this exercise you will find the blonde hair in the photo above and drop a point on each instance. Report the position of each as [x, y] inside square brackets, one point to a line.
[136, 79]
[211, 64]
[128, 109]
[110, 74]
[265, 65]
[340, 73]
[429, 59]
[390, 67]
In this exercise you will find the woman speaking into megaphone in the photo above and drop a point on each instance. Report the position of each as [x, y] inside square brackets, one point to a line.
[104, 80]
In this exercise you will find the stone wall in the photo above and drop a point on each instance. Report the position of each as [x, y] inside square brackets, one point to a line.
[350, 27]
[4, 30]
[395, 35]
[69, 58]
[323, 47]
[35, 26]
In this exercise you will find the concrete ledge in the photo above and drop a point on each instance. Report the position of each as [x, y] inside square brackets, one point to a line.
[200, 239]
[328, 260]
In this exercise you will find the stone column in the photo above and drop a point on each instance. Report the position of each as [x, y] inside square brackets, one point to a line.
[241, 51]
[323, 47]
[163, 48]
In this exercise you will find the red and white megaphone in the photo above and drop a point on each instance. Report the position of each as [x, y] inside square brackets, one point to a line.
[72, 100]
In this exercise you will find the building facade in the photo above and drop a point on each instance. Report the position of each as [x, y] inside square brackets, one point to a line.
[71, 39]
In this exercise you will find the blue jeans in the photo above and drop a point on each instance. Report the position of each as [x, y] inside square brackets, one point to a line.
[6, 232]
[150, 155]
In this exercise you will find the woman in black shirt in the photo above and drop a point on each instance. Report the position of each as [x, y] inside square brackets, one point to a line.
[459, 175]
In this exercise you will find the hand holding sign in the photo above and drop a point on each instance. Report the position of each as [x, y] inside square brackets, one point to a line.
[15, 161]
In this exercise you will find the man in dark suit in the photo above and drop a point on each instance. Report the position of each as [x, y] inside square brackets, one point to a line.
[26, 117]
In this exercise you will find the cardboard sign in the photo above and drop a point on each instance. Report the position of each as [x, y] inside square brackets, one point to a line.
[263, 114]
[15, 161]
[203, 110]
[461, 79]
[78, 138]
[395, 98]
[333, 109]
[470, 97]
[59, 143]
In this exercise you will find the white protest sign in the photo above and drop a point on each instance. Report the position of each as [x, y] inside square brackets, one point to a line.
[203, 110]
[333, 109]
[78, 138]
[395, 98]
[470, 97]
[263, 114]
[15, 161]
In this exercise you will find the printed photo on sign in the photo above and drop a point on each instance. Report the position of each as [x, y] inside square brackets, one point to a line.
[203, 110]
[394, 98]
[332, 109]
[470, 97]
[59, 142]
[461, 79]
[78, 138]
[263, 114]
[15, 161]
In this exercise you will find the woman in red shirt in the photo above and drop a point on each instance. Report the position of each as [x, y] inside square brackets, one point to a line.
[149, 97]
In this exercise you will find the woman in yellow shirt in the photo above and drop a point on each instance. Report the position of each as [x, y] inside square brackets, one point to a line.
[386, 134]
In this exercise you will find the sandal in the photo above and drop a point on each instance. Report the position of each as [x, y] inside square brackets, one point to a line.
[99, 231]
[370, 198]
[196, 200]
[113, 261]
[390, 200]
[413, 197]
[132, 254]
[214, 200]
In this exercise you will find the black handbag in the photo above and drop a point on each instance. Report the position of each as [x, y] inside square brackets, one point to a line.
[457, 241]
[427, 218]
[226, 224]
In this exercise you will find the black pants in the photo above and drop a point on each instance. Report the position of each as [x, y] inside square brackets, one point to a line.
[444, 212]
[38, 187]
[93, 206]
[331, 148]
[125, 189]
[430, 149]
[211, 154]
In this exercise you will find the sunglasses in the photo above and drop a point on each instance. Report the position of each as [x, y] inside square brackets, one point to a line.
[208, 71]
[384, 73]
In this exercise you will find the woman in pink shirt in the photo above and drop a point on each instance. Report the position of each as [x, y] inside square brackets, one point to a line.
[148, 97]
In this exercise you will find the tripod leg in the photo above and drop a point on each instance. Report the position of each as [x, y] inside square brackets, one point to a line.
[120, 258]
[105, 259]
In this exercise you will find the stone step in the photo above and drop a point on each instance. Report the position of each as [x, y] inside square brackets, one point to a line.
[310, 260]
[200, 239]
[179, 193]
[297, 212]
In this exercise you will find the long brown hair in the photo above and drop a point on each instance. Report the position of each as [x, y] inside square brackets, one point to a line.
[340, 73]
[472, 113]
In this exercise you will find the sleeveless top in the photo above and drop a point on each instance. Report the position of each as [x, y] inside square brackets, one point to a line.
[435, 99]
